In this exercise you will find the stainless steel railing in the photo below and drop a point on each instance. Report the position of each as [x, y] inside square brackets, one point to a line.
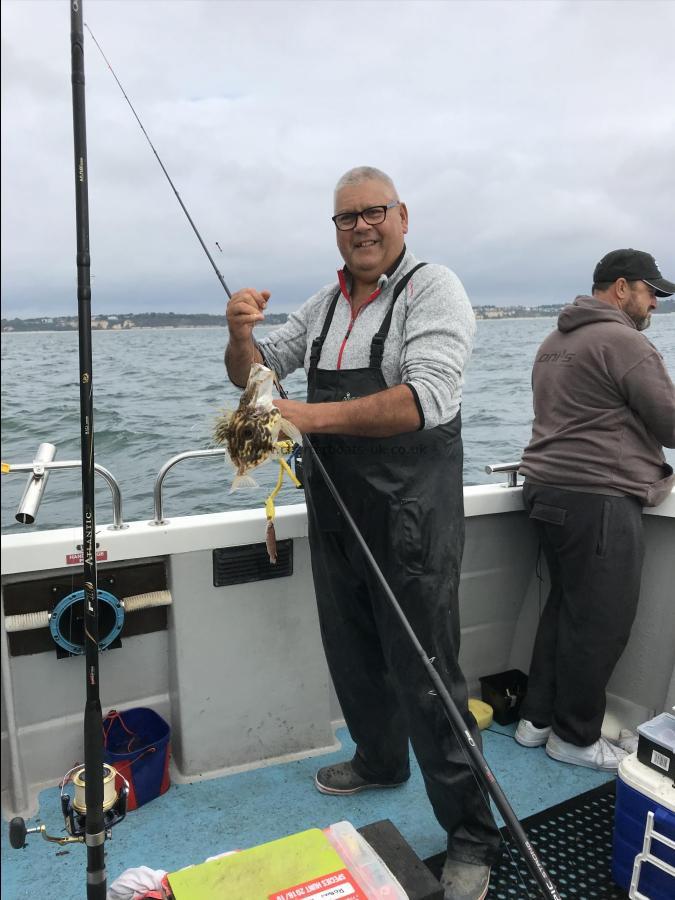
[161, 475]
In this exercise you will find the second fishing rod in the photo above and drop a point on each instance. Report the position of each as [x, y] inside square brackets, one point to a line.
[477, 761]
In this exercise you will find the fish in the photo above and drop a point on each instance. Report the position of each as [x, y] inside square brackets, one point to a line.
[271, 541]
[252, 431]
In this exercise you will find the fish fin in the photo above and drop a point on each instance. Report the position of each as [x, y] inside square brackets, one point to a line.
[290, 429]
[243, 481]
[221, 426]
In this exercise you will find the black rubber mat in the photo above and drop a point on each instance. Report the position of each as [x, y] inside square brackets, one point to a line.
[573, 840]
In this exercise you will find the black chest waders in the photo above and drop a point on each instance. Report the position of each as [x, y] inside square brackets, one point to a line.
[405, 492]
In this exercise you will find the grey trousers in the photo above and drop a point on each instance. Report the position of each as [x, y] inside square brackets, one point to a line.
[594, 549]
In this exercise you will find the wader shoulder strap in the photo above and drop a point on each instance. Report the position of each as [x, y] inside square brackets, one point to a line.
[317, 343]
[377, 345]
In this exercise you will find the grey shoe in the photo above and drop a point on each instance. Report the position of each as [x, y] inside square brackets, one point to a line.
[601, 755]
[529, 736]
[342, 779]
[464, 881]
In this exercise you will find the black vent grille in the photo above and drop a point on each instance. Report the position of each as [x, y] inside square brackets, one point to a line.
[239, 565]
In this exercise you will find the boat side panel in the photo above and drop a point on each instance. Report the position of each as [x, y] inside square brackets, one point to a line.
[498, 561]
[249, 680]
[644, 673]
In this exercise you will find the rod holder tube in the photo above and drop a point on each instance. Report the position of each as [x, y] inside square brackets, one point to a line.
[108, 477]
[35, 486]
[510, 469]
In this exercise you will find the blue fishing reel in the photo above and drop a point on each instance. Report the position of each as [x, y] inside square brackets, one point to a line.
[66, 622]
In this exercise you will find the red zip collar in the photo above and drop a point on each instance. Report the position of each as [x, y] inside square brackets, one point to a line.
[345, 293]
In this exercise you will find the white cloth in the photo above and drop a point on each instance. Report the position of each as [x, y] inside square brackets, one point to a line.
[134, 883]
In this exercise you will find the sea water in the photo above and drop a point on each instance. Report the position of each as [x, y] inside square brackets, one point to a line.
[157, 392]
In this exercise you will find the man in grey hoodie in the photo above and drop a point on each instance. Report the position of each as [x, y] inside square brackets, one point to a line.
[604, 407]
[391, 336]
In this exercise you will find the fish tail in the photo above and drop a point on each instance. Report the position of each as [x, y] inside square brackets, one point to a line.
[241, 481]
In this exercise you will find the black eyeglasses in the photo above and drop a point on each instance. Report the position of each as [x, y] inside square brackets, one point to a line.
[374, 215]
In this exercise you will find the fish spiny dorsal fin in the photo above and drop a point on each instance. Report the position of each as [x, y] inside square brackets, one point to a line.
[221, 427]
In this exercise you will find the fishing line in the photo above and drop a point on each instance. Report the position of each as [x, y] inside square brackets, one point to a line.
[478, 765]
[168, 177]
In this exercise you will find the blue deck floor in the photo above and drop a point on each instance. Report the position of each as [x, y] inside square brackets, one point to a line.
[193, 821]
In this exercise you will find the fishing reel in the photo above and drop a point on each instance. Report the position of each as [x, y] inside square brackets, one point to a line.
[296, 459]
[75, 810]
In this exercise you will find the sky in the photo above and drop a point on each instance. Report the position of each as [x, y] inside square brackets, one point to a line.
[527, 139]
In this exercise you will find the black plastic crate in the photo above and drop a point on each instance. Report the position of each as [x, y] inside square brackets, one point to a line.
[504, 691]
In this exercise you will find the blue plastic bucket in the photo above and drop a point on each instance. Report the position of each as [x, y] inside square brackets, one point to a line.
[137, 744]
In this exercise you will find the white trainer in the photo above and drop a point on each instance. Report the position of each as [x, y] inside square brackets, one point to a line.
[628, 740]
[601, 755]
[529, 736]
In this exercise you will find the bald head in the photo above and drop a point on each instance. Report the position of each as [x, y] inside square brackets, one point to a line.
[359, 174]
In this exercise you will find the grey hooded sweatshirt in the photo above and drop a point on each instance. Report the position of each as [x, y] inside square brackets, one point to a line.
[604, 407]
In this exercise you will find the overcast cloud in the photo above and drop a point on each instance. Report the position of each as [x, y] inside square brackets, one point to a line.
[527, 138]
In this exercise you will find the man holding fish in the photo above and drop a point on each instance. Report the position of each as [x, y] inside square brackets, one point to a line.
[391, 337]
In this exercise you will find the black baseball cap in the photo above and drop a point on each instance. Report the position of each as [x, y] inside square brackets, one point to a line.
[633, 265]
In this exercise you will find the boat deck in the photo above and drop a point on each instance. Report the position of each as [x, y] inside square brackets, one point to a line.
[193, 821]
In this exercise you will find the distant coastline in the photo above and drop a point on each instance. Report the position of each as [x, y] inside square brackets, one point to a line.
[128, 321]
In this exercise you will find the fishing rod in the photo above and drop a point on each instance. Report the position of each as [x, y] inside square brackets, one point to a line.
[93, 720]
[463, 735]
[97, 805]
[168, 177]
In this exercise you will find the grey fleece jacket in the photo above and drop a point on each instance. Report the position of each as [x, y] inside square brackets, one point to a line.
[604, 407]
[428, 346]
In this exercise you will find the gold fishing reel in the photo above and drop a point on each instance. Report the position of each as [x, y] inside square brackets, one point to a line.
[75, 810]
